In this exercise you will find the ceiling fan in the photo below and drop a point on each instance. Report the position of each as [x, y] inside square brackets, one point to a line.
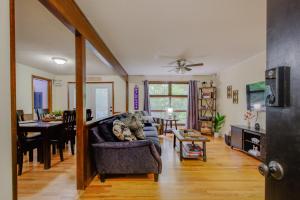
[182, 66]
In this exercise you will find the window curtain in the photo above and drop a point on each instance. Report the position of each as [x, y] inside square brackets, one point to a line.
[146, 97]
[192, 115]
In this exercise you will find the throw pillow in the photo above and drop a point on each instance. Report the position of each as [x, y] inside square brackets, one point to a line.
[105, 130]
[135, 126]
[122, 132]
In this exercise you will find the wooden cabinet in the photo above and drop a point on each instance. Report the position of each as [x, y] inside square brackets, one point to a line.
[249, 140]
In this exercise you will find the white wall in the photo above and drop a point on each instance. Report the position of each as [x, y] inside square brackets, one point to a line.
[250, 70]
[24, 85]
[60, 93]
[138, 80]
[5, 123]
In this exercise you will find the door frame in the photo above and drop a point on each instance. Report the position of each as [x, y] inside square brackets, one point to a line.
[96, 82]
[49, 81]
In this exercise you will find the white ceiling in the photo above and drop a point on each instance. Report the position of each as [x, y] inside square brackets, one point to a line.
[219, 33]
[40, 36]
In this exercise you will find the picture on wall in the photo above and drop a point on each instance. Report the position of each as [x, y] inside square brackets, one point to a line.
[235, 96]
[229, 92]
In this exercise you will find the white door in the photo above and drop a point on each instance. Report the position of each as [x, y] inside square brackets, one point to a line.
[99, 98]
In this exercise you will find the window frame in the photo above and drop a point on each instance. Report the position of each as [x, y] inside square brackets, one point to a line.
[169, 95]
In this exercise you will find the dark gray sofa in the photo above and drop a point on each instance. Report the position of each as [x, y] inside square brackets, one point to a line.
[112, 156]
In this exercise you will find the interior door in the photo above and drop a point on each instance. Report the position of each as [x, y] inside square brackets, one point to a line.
[283, 127]
[99, 98]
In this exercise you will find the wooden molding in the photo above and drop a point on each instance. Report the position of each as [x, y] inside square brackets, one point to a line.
[13, 98]
[70, 14]
[81, 150]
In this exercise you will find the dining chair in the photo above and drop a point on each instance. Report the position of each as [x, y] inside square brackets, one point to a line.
[40, 113]
[89, 115]
[27, 144]
[69, 121]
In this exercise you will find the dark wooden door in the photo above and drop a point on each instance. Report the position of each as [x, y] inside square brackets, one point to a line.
[283, 125]
[236, 137]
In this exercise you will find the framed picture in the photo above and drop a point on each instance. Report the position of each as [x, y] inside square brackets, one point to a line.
[235, 96]
[229, 92]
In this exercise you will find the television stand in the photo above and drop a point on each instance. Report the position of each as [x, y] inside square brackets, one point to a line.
[249, 141]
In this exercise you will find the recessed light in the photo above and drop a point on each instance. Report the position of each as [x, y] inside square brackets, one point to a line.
[59, 61]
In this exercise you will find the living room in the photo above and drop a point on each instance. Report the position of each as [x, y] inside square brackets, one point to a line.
[164, 100]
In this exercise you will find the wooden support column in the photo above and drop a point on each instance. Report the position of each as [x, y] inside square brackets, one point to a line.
[81, 110]
[13, 97]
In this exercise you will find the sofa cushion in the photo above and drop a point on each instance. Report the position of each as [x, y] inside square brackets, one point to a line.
[105, 130]
[95, 137]
[122, 132]
[151, 133]
[149, 128]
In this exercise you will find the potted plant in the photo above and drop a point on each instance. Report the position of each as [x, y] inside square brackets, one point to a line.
[219, 122]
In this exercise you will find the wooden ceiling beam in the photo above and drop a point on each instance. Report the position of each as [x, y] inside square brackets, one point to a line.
[69, 13]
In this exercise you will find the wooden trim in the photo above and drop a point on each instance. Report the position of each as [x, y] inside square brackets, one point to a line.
[71, 15]
[96, 82]
[13, 98]
[81, 150]
[49, 91]
[127, 96]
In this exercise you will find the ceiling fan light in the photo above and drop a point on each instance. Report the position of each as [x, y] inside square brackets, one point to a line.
[59, 61]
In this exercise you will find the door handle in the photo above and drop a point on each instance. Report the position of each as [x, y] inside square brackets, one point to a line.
[274, 169]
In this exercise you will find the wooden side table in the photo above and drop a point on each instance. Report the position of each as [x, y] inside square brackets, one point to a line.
[170, 122]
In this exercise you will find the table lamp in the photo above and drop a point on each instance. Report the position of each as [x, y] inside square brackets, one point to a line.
[257, 108]
[170, 112]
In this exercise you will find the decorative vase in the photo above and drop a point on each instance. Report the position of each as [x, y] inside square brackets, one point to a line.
[249, 124]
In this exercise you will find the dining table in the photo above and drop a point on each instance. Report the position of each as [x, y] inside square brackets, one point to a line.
[46, 129]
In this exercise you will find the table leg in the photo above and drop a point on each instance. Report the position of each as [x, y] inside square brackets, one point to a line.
[46, 150]
[171, 124]
[204, 151]
[175, 125]
[166, 127]
[180, 151]
[174, 144]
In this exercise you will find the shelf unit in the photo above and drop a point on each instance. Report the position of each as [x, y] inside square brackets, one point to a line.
[241, 139]
[207, 109]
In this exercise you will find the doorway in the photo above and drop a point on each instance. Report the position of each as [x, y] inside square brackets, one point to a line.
[41, 94]
[99, 98]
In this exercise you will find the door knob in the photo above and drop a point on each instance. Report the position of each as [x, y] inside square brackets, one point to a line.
[274, 169]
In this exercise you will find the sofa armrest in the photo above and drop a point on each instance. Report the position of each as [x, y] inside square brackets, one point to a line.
[156, 156]
[120, 145]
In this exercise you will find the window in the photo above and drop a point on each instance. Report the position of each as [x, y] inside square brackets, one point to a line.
[165, 95]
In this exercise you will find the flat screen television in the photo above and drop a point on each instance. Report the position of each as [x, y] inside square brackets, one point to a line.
[256, 96]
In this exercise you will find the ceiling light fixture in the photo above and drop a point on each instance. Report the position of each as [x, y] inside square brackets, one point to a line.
[59, 61]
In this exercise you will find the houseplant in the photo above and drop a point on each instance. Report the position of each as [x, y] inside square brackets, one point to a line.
[219, 122]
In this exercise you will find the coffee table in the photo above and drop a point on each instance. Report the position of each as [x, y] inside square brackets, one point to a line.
[197, 138]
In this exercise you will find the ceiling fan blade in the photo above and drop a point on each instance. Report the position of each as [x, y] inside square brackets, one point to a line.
[187, 69]
[168, 66]
[172, 70]
[195, 65]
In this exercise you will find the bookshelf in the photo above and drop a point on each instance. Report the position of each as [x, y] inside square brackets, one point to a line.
[207, 109]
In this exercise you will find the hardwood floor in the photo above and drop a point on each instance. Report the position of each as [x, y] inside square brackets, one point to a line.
[227, 175]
